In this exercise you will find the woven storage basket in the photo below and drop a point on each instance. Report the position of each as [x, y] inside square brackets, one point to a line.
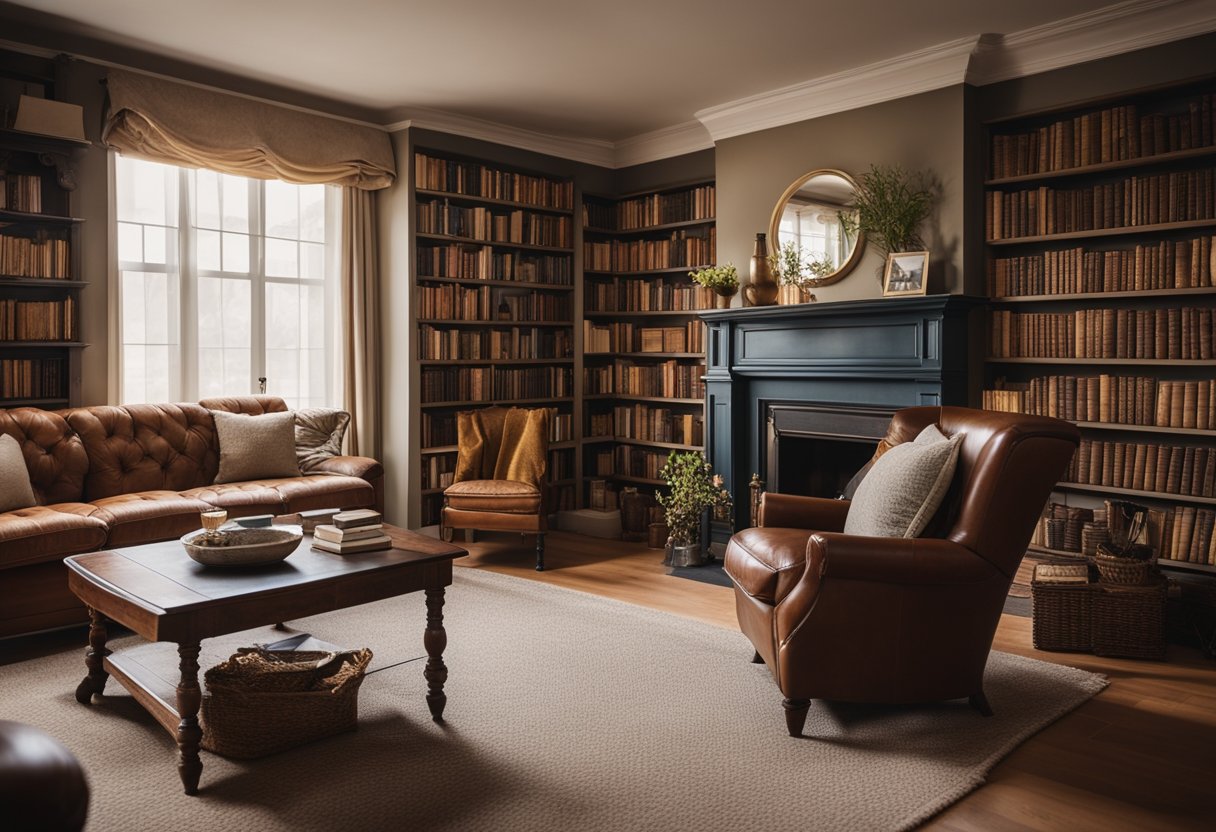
[1129, 621]
[261, 702]
[1062, 616]
[1124, 571]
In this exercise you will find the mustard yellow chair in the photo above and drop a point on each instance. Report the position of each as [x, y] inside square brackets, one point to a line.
[499, 483]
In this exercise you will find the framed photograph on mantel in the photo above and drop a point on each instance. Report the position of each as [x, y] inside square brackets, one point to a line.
[906, 273]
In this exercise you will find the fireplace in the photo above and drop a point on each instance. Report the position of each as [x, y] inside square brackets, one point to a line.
[815, 449]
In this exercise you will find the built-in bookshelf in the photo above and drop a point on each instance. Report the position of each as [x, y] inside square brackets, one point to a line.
[1100, 223]
[494, 298]
[643, 345]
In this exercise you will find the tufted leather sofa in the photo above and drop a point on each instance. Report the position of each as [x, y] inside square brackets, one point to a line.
[106, 477]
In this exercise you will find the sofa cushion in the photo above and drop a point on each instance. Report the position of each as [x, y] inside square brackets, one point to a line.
[146, 517]
[250, 405]
[315, 491]
[54, 455]
[146, 447]
[319, 434]
[505, 496]
[767, 563]
[240, 498]
[42, 533]
[255, 447]
[15, 490]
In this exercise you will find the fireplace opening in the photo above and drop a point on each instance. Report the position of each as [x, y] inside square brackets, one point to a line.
[815, 449]
[819, 467]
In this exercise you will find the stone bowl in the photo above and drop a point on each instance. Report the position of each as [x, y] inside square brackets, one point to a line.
[244, 547]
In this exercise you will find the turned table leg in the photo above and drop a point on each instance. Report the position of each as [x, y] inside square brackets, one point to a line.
[435, 639]
[189, 734]
[94, 659]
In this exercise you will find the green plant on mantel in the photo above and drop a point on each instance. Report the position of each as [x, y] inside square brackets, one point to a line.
[892, 203]
[694, 489]
[792, 268]
[722, 279]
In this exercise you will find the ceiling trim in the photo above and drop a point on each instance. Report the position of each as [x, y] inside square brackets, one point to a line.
[1113, 30]
[916, 72]
[664, 143]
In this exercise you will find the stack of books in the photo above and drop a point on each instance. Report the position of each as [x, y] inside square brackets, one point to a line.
[350, 532]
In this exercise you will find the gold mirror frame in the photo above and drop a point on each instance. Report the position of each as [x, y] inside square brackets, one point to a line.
[775, 223]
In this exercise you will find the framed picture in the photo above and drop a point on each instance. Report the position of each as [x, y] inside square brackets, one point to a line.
[905, 274]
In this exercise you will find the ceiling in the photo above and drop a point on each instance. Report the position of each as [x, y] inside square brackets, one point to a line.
[606, 70]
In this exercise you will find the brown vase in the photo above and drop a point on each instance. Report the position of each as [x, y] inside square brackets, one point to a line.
[762, 289]
[722, 299]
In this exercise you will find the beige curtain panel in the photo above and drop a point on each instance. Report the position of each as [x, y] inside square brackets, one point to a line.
[360, 322]
[183, 125]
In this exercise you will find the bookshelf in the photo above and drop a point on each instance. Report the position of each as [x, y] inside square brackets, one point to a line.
[494, 284]
[1100, 223]
[643, 346]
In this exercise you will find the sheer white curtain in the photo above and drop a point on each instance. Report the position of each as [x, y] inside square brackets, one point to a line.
[223, 281]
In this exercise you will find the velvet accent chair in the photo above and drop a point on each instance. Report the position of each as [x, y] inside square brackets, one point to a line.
[499, 482]
[898, 620]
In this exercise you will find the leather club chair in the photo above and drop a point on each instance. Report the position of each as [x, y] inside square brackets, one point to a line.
[42, 786]
[898, 620]
[499, 483]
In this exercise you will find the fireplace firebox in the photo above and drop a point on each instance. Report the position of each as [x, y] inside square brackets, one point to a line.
[815, 449]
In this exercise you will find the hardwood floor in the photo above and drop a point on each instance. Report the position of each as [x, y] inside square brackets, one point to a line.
[1140, 755]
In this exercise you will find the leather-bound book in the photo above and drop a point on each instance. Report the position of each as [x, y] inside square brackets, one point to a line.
[1187, 471]
[1168, 530]
[1186, 529]
[1190, 403]
[1198, 472]
[1174, 477]
[1151, 455]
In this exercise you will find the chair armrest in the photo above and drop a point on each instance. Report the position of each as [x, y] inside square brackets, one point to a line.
[349, 466]
[915, 561]
[791, 511]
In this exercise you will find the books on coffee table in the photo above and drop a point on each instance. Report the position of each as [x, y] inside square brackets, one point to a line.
[356, 518]
[350, 532]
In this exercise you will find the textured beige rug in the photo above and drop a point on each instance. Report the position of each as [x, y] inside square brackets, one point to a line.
[565, 712]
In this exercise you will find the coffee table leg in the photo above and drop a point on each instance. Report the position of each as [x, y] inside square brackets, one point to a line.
[189, 734]
[94, 658]
[435, 639]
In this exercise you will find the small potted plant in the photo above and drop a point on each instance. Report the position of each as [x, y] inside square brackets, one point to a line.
[723, 281]
[797, 273]
[694, 490]
[891, 205]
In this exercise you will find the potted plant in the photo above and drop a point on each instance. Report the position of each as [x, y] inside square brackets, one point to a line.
[723, 281]
[891, 205]
[693, 490]
[797, 273]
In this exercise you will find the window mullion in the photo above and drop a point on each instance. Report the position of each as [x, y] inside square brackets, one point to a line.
[188, 350]
[257, 289]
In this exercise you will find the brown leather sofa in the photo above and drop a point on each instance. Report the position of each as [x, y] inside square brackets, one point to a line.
[122, 476]
[898, 620]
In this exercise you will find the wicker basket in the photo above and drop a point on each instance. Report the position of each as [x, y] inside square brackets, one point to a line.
[1062, 616]
[261, 702]
[1129, 621]
[1122, 571]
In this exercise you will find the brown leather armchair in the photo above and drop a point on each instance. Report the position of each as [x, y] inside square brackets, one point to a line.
[898, 620]
[499, 482]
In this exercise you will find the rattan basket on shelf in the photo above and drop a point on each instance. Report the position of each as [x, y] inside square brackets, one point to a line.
[1125, 571]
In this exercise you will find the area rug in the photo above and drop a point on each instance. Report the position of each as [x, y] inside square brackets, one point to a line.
[565, 712]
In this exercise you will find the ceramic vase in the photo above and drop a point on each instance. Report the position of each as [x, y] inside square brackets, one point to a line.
[761, 289]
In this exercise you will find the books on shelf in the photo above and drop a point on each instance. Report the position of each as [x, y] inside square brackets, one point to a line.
[494, 225]
[43, 258]
[657, 424]
[685, 247]
[1125, 400]
[477, 179]
[1185, 470]
[38, 320]
[628, 337]
[445, 384]
[644, 463]
[1188, 535]
[33, 378]
[21, 192]
[485, 303]
[438, 470]
[483, 262]
[522, 342]
[1165, 333]
[626, 295]
[667, 379]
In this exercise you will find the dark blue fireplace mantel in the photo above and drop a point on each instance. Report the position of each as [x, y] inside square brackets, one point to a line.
[883, 354]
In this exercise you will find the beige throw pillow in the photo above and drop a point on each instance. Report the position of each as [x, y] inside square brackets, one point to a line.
[319, 432]
[902, 491]
[15, 489]
[256, 447]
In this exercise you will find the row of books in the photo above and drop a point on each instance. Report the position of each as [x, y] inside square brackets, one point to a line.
[637, 213]
[1188, 535]
[461, 343]
[38, 320]
[1110, 135]
[1169, 264]
[627, 337]
[46, 258]
[1134, 201]
[485, 303]
[691, 247]
[1187, 470]
[21, 192]
[493, 225]
[1183, 334]
[632, 461]
[657, 424]
[33, 378]
[485, 263]
[475, 179]
[446, 384]
[439, 429]
[618, 295]
[1123, 400]
[668, 379]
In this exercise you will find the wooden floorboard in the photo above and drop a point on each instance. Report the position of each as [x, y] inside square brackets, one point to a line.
[1141, 755]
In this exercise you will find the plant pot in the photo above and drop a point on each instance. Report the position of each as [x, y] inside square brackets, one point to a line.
[723, 300]
[686, 555]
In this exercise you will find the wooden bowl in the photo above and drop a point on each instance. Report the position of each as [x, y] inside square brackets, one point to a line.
[244, 547]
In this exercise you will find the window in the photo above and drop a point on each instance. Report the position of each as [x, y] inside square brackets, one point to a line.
[223, 281]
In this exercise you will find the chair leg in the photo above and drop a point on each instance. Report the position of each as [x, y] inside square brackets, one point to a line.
[756, 659]
[540, 552]
[795, 714]
[980, 702]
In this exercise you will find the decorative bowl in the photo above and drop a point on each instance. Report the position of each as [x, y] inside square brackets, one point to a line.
[244, 547]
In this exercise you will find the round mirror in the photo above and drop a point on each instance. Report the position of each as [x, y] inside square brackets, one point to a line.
[818, 214]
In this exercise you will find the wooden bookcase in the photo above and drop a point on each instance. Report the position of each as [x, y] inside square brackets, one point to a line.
[1100, 225]
[643, 344]
[494, 283]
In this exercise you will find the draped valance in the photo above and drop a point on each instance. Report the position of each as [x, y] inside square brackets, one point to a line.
[184, 125]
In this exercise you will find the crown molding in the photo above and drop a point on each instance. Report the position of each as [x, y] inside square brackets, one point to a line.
[1113, 30]
[916, 72]
[664, 143]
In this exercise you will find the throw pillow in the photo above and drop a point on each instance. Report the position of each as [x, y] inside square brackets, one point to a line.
[15, 489]
[319, 432]
[256, 447]
[900, 494]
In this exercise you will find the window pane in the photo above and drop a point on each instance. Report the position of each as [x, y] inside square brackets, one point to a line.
[281, 258]
[282, 316]
[154, 244]
[207, 250]
[282, 210]
[236, 253]
[207, 199]
[312, 213]
[312, 261]
[235, 202]
[130, 242]
[148, 191]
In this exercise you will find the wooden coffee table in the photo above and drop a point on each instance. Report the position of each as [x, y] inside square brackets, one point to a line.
[160, 593]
